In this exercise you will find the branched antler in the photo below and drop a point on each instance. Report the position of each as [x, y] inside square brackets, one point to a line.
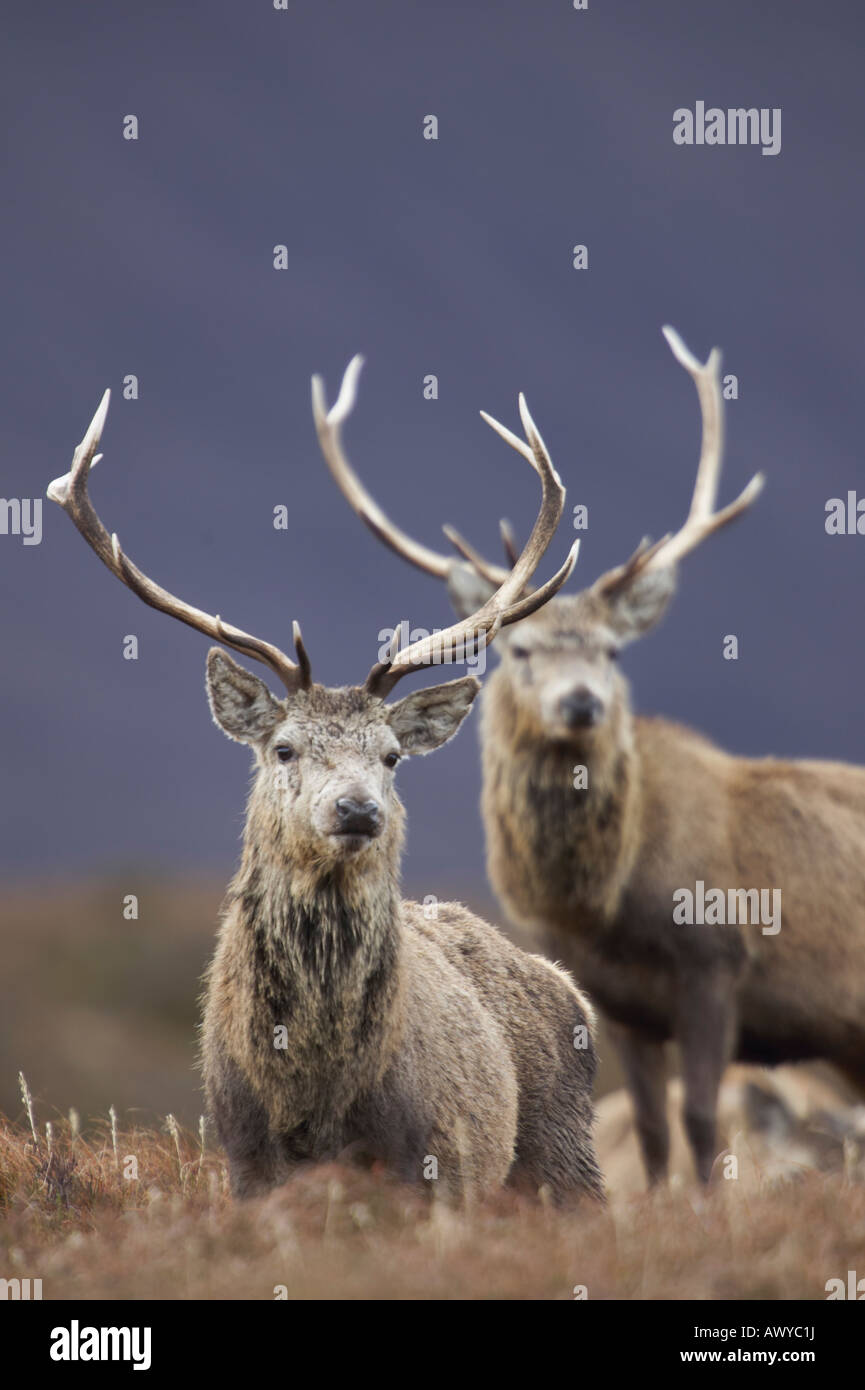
[509, 603]
[702, 519]
[70, 492]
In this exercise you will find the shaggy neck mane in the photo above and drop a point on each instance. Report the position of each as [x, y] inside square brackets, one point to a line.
[320, 956]
[321, 928]
[325, 930]
[568, 848]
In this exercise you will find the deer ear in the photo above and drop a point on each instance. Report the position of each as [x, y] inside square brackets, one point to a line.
[426, 719]
[240, 703]
[467, 590]
[642, 603]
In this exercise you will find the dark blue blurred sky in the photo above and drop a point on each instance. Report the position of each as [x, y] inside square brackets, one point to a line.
[304, 127]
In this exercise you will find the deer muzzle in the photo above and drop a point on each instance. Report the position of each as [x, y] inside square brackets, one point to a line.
[358, 819]
[580, 709]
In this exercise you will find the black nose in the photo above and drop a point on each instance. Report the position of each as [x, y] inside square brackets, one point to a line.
[358, 817]
[580, 709]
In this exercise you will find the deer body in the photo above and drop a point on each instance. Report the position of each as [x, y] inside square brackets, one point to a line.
[663, 808]
[407, 1061]
[599, 859]
[376, 1059]
[336, 1017]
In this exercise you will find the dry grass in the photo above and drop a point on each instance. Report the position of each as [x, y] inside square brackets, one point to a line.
[80, 1215]
[114, 1017]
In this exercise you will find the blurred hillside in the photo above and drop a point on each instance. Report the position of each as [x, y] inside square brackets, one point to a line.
[98, 1010]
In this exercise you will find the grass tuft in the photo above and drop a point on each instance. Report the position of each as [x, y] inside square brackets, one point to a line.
[143, 1212]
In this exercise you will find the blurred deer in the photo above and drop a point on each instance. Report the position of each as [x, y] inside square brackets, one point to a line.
[600, 825]
[336, 1016]
[778, 1125]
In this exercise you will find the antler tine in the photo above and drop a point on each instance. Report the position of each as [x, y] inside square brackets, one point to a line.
[70, 492]
[531, 602]
[509, 541]
[494, 574]
[552, 503]
[702, 519]
[327, 424]
[707, 379]
[303, 664]
[508, 604]
[619, 577]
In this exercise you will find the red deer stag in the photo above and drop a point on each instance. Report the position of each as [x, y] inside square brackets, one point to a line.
[607, 831]
[336, 1017]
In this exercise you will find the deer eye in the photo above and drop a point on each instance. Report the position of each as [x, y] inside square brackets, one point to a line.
[391, 759]
[519, 652]
[613, 653]
[285, 753]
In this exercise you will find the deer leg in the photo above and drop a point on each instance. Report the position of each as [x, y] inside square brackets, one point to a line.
[644, 1064]
[242, 1126]
[705, 1031]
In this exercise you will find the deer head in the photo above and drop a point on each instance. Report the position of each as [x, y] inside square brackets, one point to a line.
[325, 758]
[561, 663]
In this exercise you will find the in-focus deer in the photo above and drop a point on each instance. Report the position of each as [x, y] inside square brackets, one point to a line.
[660, 813]
[336, 1017]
